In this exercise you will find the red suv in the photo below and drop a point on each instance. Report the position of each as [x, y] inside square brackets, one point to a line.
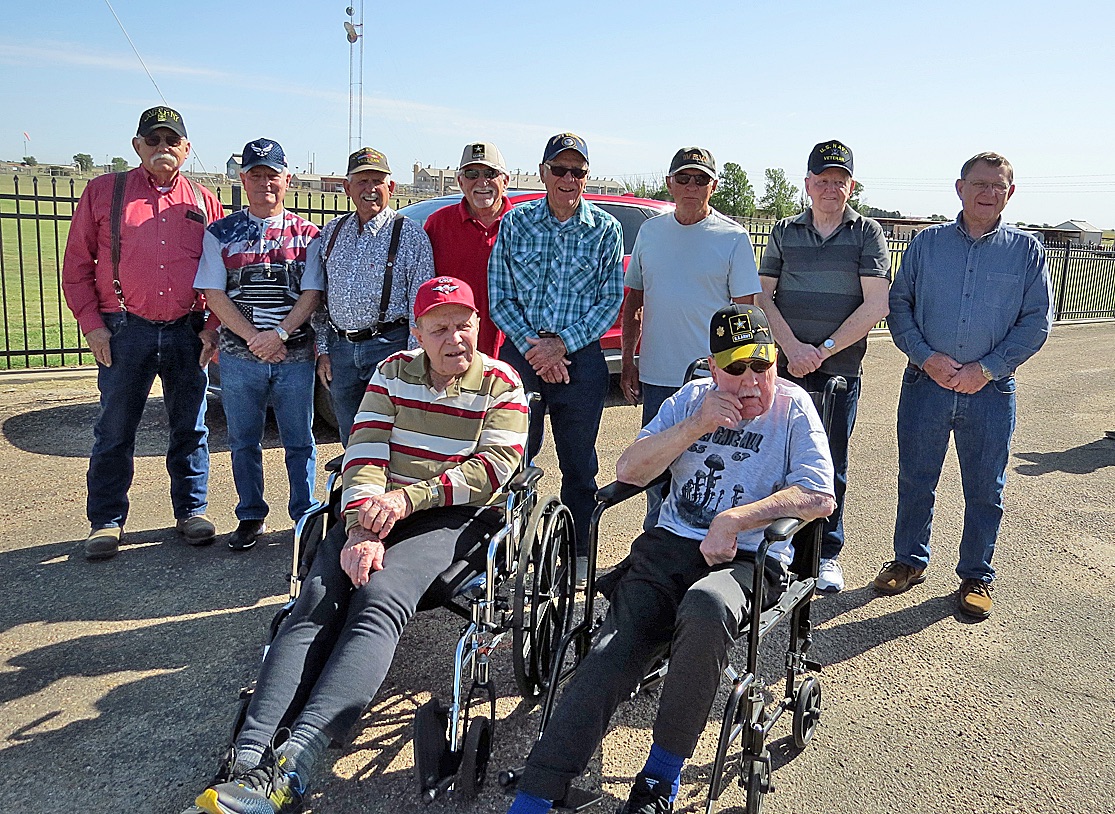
[631, 212]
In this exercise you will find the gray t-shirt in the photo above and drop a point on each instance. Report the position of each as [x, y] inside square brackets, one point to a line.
[785, 446]
[686, 274]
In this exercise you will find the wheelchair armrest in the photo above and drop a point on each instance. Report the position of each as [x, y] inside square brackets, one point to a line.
[618, 491]
[525, 479]
[334, 465]
[783, 529]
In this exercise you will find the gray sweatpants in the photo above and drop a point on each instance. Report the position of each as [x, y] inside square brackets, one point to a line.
[669, 598]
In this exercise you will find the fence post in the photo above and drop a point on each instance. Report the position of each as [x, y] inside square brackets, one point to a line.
[236, 204]
[1060, 304]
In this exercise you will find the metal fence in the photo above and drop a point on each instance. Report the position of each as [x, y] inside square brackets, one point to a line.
[37, 329]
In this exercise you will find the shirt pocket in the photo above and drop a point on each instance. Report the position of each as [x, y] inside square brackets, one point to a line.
[582, 276]
[1004, 291]
[191, 231]
[528, 260]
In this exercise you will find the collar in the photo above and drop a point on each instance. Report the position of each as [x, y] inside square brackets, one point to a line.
[471, 380]
[960, 227]
[806, 218]
[583, 214]
[151, 182]
[465, 215]
[376, 223]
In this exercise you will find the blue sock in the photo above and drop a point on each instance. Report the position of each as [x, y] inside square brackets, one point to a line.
[665, 766]
[529, 804]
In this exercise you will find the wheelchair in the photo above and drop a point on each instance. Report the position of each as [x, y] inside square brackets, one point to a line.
[517, 582]
[748, 716]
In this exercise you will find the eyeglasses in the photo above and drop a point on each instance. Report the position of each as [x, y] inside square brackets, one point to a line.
[739, 368]
[488, 173]
[170, 140]
[700, 179]
[998, 187]
[560, 171]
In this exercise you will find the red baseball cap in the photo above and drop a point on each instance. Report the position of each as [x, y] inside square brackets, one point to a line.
[443, 291]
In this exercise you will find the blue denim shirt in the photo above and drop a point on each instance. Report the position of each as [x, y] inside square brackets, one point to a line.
[981, 300]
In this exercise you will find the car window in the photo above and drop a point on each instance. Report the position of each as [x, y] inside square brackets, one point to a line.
[630, 218]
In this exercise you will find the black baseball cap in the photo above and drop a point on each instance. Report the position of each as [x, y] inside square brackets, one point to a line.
[155, 117]
[263, 152]
[694, 158]
[740, 332]
[830, 154]
[562, 142]
[366, 160]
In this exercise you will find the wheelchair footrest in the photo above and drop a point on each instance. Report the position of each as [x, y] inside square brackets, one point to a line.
[578, 800]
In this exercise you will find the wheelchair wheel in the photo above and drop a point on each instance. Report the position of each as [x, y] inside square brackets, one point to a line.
[758, 784]
[807, 711]
[432, 759]
[543, 595]
[474, 758]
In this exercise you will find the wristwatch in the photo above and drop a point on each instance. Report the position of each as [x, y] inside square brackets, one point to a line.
[283, 335]
[829, 345]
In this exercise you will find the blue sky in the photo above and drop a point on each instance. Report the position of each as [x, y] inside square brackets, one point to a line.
[914, 89]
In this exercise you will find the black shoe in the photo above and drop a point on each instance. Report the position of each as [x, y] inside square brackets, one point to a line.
[648, 796]
[245, 535]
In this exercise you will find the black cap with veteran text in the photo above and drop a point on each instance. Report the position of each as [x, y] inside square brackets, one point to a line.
[830, 154]
[740, 332]
[162, 116]
[693, 158]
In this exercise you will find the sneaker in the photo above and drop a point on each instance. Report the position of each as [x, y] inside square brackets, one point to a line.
[197, 529]
[896, 577]
[245, 535]
[103, 544]
[830, 577]
[266, 789]
[975, 598]
[648, 796]
[582, 573]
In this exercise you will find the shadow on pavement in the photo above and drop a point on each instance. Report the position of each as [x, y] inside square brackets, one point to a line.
[1082, 460]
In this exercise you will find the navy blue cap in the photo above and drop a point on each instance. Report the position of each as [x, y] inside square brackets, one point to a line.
[830, 154]
[562, 142]
[263, 152]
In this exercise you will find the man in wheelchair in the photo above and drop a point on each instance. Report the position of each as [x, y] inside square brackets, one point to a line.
[743, 448]
[440, 430]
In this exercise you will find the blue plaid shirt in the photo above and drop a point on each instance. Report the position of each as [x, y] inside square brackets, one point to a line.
[566, 278]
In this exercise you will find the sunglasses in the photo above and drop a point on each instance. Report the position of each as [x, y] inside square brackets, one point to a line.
[739, 368]
[700, 179]
[489, 173]
[170, 140]
[560, 171]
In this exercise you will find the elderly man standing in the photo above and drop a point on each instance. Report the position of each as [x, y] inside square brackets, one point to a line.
[373, 261]
[685, 265]
[825, 276]
[687, 582]
[128, 277]
[970, 304]
[440, 430]
[261, 275]
[462, 236]
[555, 280]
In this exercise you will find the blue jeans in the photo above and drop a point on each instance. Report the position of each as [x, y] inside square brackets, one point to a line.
[840, 431]
[982, 424]
[142, 350]
[653, 397]
[353, 365]
[575, 411]
[247, 387]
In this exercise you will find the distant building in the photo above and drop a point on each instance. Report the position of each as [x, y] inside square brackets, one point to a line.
[434, 180]
[904, 228]
[317, 183]
[1079, 231]
[430, 180]
[232, 168]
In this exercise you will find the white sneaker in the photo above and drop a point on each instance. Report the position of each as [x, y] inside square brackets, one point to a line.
[830, 577]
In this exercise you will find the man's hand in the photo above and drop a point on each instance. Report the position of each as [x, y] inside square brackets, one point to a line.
[381, 512]
[267, 345]
[803, 359]
[362, 554]
[208, 339]
[719, 409]
[558, 374]
[942, 369]
[98, 340]
[969, 379]
[719, 545]
[325, 369]
[629, 382]
[545, 352]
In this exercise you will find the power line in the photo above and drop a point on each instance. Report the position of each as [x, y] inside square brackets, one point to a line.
[136, 50]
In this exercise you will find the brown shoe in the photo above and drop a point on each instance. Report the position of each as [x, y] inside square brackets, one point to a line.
[896, 577]
[197, 529]
[103, 544]
[975, 598]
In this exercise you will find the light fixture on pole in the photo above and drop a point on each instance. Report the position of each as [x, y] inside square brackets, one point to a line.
[354, 32]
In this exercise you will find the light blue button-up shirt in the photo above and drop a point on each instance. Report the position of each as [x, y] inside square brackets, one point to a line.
[983, 299]
[562, 277]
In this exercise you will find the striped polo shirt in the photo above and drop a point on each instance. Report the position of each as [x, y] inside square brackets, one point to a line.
[453, 448]
[819, 278]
